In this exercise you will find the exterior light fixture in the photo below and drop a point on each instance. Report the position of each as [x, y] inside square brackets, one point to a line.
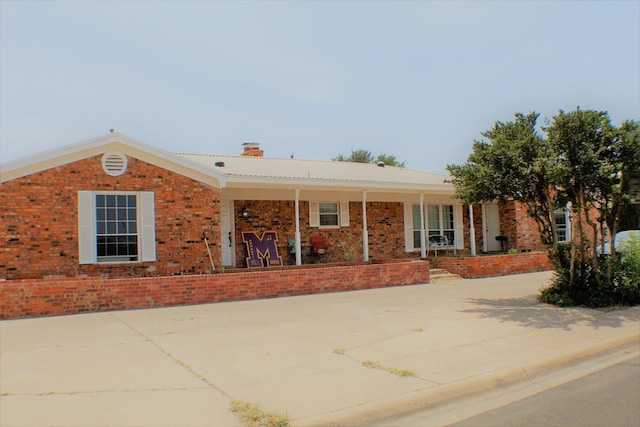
[245, 213]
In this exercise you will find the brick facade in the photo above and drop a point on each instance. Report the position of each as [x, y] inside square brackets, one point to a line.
[385, 225]
[521, 230]
[39, 221]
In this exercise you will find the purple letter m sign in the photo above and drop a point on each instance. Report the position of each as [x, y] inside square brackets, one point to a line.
[261, 249]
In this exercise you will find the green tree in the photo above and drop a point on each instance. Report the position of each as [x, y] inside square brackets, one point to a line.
[514, 163]
[365, 156]
[630, 136]
[583, 162]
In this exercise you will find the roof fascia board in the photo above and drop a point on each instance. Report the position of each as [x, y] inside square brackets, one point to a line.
[339, 185]
[334, 196]
[115, 142]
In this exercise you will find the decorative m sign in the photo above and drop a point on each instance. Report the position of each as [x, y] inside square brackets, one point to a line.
[262, 251]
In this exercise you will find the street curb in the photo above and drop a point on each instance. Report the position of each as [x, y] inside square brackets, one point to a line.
[442, 395]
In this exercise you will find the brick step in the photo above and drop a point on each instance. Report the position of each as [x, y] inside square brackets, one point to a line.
[439, 275]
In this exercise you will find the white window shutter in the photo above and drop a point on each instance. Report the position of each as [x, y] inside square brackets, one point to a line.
[408, 227]
[86, 228]
[459, 226]
[314, 214]
[344, 214]
[148, 226]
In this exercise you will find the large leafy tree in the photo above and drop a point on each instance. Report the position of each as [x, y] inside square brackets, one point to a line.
[365, 156]
[513, 162]
[581, 161]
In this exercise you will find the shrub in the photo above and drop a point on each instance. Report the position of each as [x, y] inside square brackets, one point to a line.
[627, 275]
[592, 287]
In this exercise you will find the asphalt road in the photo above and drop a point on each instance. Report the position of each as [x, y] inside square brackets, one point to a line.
[610, 397]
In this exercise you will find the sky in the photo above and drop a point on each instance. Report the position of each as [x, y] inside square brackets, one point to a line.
[419, 80]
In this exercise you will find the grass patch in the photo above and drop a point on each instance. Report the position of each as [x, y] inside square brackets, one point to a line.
[251, 415]
[395, 371]
[339, 351]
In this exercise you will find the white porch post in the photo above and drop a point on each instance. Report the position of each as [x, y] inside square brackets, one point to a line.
[423, 233]
[365, 233]
[298, 244]
[472, 231]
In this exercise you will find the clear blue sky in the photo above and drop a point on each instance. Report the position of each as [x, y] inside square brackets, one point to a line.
[416, 79]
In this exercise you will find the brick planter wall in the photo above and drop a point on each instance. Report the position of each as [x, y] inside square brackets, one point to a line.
[57, 296]
[494, 265]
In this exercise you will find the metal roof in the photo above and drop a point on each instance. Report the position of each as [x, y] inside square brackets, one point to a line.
[268, 169]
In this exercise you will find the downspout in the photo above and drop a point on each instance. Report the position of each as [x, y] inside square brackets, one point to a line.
[472, 231]
[298, 244]
[423, 233]
[365, 233]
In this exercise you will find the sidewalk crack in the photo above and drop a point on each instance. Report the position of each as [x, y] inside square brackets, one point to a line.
[177, 360]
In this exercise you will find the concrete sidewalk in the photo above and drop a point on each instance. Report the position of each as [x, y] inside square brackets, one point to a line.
[300, 356]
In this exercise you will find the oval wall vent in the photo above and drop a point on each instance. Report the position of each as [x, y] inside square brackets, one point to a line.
[114, 164]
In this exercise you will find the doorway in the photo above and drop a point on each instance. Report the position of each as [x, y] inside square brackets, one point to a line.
[491, 227]
[228, 238]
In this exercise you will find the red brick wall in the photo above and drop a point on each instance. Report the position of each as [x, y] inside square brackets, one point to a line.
[385, 224]
[56, 296]
[494, 265]
[39, 221]
[519, 227]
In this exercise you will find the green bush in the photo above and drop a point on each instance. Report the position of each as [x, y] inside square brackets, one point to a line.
[628, 273]
[591, 287]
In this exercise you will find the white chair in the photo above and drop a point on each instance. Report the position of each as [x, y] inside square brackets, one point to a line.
[436, 242]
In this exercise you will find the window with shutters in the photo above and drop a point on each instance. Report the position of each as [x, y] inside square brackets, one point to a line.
[328, 214]
[116, 227]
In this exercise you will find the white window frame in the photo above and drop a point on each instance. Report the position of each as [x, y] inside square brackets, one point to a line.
[87, 230]
[566, 214]
[315, 215]
[412, 225]
[440, 230]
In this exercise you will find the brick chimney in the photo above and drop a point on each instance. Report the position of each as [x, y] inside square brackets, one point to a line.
[252, 149]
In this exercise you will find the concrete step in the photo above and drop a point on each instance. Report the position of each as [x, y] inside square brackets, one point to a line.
[439, 275]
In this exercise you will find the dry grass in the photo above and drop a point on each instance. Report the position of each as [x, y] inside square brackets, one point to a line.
[252, 416]
[395, 371]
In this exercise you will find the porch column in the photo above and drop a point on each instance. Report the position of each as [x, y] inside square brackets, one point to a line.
[298, 244]
[472, 231]
[423, 233]
[365, 233]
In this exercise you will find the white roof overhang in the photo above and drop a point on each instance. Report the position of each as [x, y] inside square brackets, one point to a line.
[114, 142]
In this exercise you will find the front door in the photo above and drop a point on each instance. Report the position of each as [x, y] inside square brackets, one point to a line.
[228, 236]
[491, 223]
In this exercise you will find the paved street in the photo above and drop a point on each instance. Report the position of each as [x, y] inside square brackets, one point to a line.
[332, 359]
[610, 397]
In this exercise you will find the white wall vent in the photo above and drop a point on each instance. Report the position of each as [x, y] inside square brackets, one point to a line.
[114, 164]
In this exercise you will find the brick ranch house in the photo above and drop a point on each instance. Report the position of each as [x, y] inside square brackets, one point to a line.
[115, 207]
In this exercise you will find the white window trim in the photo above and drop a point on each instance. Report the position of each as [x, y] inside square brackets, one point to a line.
[409, 226]
[567, 219]
[314, 215]
[87, 227]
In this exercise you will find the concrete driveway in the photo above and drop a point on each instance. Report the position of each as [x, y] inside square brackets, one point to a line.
[321, 359]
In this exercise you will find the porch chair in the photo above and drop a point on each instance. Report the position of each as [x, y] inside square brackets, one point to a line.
[318, 248]
[436, 242]
[291, 248]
